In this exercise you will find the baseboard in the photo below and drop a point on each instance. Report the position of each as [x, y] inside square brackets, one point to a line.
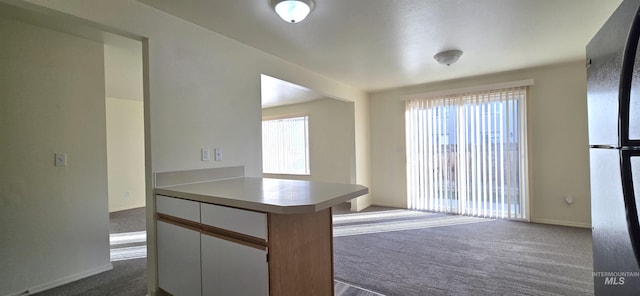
[141, 205]
[67, 279]
[561, 223]
[388, 205]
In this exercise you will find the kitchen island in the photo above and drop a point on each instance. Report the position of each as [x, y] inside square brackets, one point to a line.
[248, 236]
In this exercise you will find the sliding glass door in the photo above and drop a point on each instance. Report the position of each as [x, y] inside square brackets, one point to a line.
[466, 154]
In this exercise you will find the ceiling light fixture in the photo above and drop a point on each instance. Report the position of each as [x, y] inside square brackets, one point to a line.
[448, 57]
[293, 11]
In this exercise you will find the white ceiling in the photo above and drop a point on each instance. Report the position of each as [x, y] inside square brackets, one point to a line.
[381, 44]
[276, 92]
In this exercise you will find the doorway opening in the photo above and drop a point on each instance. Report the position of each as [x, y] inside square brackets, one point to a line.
[124, 93]
[306, 135]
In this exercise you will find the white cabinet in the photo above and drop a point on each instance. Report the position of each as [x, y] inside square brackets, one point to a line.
[206, 249]
[178, 246]
[178, 208]
[234, 251]
[178, 259]
[214, 250]
[230, 268]
[240, 221]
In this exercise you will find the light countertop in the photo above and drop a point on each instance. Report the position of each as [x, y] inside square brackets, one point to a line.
[278, 196]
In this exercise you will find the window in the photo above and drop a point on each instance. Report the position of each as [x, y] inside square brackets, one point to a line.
[466, 153]
[285, 146]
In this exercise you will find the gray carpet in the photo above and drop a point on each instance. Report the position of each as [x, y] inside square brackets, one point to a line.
[384, 251]
[128, 220]
[129, 276]
[453, 255]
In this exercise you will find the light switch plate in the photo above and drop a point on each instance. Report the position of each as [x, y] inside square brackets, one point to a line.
[217, 154]
[205, 155]
[60, 160]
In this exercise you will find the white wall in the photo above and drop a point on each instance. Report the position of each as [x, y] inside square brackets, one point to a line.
[363, 152]
[123, 67]
[204, 91]
[125, 153]
[200, 83]
[331, 139]
[558, 145]
[54, 223]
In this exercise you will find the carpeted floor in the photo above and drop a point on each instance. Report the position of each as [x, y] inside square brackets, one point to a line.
[128, 221]
[383, 251]
[128, 256]
[442, 254]
[127, 278]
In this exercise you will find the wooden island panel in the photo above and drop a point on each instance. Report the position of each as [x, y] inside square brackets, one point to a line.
[301, 254]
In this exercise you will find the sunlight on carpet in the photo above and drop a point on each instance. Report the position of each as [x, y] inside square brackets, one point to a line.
[376, 216]
[127, 252]
[428, 221]
[127, 237]
[344, 289]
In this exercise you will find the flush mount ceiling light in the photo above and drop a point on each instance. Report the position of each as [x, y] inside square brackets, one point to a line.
[292, 11]
[448, 57]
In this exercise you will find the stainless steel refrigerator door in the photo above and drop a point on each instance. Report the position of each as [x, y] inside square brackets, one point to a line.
[604, 55]
[615, 269]
[629, 96]
[630, 160]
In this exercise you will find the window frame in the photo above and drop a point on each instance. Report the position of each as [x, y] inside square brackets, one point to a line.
[282, 168]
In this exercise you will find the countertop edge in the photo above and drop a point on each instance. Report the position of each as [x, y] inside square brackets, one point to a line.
[262, 207]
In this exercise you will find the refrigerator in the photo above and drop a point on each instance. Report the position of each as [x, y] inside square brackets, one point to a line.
[613, 100]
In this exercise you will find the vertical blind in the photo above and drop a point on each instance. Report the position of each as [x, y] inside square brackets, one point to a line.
[285, 146]
[467, 153]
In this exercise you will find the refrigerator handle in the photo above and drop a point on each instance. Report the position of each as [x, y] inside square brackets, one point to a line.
[630, 206]
[626, 77]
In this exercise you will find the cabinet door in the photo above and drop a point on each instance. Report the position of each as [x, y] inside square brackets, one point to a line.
[178, 259]
[229, 268]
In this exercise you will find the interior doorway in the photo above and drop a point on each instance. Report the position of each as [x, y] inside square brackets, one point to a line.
[124, 93]
[301, 125]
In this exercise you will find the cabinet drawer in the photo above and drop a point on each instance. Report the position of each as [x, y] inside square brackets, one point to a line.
[185, 209]
[241, 221]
